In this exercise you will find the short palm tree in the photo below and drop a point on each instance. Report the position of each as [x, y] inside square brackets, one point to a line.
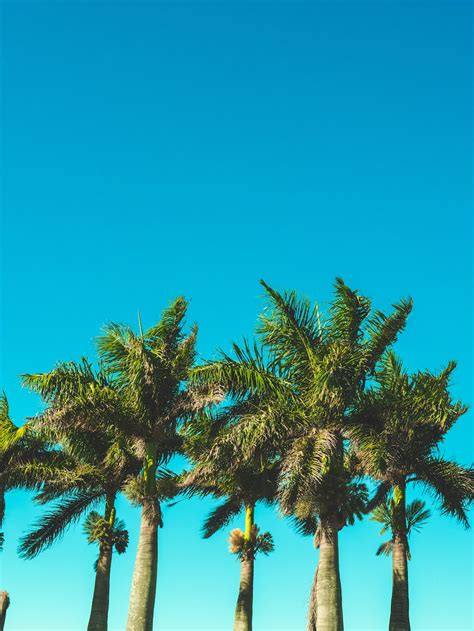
[151, 369]
[98, 465]
[240, 485]
[397, 430]
[416, 516]
[314, 370]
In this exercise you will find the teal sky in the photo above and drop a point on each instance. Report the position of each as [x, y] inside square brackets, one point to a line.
[154, 149]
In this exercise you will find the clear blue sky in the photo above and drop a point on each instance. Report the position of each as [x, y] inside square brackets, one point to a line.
[154, 149]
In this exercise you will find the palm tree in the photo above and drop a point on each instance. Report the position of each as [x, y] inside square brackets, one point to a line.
[151, 369]
[98, 465]
[416, 516]
[397, 430]
[23, 452]
[240, 485]
[315, 371]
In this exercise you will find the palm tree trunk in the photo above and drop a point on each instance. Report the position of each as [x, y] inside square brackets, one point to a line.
[243, 611]
[143, 592]
[100, 601]
[244, 608]
[313, 605]
[4, 604]
[328, 597]
[98, 618]
[399, 611]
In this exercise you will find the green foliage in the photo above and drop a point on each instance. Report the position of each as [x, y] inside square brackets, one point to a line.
[416, 516]
[398, 426]
[53, 524]
[84, 418]
[99, 530]
[249, 548]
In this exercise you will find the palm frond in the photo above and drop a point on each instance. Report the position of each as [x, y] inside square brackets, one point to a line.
[55, 522]
[221, 516]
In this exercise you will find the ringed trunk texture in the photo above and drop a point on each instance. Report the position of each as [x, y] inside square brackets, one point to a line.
[100, 601]
[4, 604]
[313, 605]
[328, 597]
[143, 592]
[142, 596]
[399, 611]
[244, 608]
[98, 618]
[243, 611]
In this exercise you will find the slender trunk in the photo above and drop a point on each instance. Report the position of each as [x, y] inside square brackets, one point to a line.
[244, 608]
[328, 598]
[313, 605]
[100, 601]
[243, 611]
[4, 604]
[142, 596]
[399, 612]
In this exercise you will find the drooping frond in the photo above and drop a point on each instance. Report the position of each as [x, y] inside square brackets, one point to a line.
[66, 380]
[242, 375]
[53, 524]
[416, 515]
[450, 483]
[385, 548]
[220, 516]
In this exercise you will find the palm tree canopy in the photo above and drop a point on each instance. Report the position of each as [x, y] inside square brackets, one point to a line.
[302, 382]
[151, 369]
[24, 454]
[222, 472]
[399, 426]
[97, 459]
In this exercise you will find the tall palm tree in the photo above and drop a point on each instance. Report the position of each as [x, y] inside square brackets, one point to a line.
[151, 369]
[98, 465]
[397, 430]
[317, 369]
[240, 485]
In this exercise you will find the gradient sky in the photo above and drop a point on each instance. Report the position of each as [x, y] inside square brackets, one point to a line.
[154, 149]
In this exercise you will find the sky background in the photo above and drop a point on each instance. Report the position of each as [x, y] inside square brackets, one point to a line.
[154, 149]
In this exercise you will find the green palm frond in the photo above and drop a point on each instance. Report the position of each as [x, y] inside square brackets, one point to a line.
[168, 332]
[385, 548]
[100, 530]
[384, 330]
[246, 374]
[348, 312]
[54, 523]
[221, 516]
[383, 515]
[416, 515]
[292, 329]
[450, 483]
